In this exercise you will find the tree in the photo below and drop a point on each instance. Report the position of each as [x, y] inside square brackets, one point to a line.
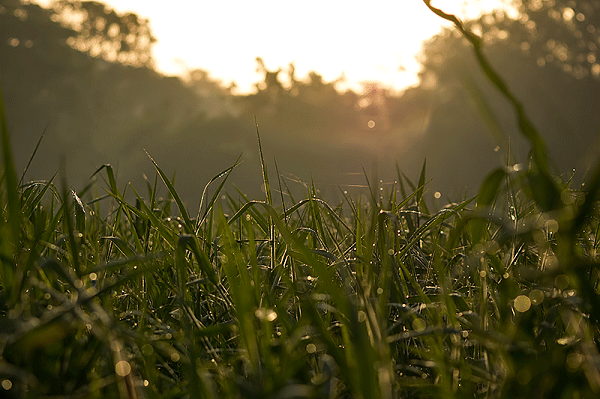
[547, 64]
[564, 32]
[93, 110]
[101, 31]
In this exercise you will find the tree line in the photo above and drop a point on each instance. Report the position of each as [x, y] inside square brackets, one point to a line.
[83, 74]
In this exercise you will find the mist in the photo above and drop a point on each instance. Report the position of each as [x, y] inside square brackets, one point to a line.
[93, 98]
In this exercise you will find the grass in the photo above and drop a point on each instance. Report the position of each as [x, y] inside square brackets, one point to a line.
[495, 296]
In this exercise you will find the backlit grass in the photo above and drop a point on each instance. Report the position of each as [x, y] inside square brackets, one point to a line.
[391, 296]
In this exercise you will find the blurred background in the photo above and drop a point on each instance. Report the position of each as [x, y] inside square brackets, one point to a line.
[91, 76]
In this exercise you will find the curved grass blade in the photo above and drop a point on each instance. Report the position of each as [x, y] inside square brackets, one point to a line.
[184, 214]
[190, 241]
[209, 206]
[111, 177]
[525, 125]
[31, 205]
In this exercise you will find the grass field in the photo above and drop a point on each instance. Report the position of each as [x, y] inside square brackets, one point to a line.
[495, 296]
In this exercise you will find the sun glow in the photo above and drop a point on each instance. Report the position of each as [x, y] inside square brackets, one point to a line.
[377, 42]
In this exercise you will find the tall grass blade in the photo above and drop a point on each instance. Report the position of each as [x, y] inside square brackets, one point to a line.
[225, 174]
[111, 177]
[186, 218]
[419, 193]
[35, 201]
[32, 155]
[263, 167]
[12, 192]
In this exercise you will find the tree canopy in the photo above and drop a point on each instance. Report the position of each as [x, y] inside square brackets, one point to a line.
[550, 65]
[101, 31]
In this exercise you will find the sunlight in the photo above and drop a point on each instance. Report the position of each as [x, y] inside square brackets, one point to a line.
[374, 43]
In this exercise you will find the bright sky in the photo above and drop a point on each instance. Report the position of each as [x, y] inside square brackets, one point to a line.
[366, 41]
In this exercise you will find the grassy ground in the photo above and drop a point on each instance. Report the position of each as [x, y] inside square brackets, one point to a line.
[495, 296]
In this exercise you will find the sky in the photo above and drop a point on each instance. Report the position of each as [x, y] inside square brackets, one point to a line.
[364, 41]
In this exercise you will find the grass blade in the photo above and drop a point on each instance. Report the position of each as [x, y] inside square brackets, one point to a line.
[12, 190]
[186, 218]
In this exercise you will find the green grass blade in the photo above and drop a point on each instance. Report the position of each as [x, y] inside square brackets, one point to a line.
[11, 186]
[189, 227]
[263, 167]
[31, 205]
[32, 155]
[419, 195]
[111, 177]
[490, 188]
[225, 174]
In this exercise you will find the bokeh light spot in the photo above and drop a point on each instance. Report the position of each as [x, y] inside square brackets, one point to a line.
[147, 350]
[419, 324]
[362, 316]
[522, 303]
[561, 281]
[265, 314]
[573, 361]
[536, 297]
[122, 368]
[523, 376]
